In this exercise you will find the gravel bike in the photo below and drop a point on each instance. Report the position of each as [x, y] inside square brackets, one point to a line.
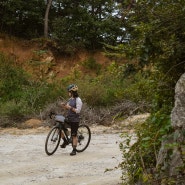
[61, 127]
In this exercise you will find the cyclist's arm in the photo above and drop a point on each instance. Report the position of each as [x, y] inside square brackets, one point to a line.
[78, 105]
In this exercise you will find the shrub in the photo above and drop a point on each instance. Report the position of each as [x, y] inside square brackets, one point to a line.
[21, 95]
[92, 64]
[140, 158]
[12, 79]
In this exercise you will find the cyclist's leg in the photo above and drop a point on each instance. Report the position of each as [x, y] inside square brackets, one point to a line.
[74, 129]
[65, 142]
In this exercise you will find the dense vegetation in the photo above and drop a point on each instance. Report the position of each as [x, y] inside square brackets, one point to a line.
[73, 24]
[23, 95]
[150, 35]
[157, 40]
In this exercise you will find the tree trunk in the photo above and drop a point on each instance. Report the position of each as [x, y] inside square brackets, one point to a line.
[49, 2]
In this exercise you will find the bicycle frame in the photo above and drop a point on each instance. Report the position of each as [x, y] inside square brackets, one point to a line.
[61, 126]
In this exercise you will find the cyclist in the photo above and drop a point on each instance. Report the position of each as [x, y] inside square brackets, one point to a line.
[73, 106]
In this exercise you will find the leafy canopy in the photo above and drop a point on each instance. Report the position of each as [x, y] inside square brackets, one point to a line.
[156, 32]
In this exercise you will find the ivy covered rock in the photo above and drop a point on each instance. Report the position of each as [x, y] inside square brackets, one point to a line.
[171, 158]
[178, 112]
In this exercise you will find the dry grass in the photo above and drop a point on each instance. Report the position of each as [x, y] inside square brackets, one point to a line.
[101, 115]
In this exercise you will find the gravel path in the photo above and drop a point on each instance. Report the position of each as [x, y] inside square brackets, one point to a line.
[23, 160]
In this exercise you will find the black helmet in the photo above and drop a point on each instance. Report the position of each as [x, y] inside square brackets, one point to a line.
[72, 87]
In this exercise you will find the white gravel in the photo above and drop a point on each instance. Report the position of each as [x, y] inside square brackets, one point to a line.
[23, 160]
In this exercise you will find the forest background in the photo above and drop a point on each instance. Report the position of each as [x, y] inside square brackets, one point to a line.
[143, 42]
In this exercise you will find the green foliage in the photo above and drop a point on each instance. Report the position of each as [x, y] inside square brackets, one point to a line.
[20, 96]
[158, 35]
[139, 159]
[156, 31]
[74, 24]
[92, 65]
[87, 24]
[141, 89]
[22, 18]
[91, 89]
[12, 78]
[38, 94]
[14, 110]
[109, 86]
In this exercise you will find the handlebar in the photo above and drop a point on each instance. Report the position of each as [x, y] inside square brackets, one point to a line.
[51, 115]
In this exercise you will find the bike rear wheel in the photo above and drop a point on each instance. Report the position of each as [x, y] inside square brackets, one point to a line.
[84, 137]
[52, 140]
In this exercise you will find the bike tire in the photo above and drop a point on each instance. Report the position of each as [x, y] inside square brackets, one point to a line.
[52, 140]
[84, 137]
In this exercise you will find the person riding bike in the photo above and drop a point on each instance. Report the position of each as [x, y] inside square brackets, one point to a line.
[74, 106]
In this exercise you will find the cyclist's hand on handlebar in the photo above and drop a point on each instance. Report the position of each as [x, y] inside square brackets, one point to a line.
[66, 106]
[63, 104]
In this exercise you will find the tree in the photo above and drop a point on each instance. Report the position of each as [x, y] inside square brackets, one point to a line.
[87, 23]
[74, 24]
[22, 18]
[156, 41]
[49, 3]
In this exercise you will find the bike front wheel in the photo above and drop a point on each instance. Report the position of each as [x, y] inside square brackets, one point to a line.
[52, 140]
[84, 137]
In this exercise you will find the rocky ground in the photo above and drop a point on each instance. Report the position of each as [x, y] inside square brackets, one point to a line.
[23, 160]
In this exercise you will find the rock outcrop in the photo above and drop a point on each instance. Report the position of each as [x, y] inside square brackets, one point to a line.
[171, 158]
[178, 112]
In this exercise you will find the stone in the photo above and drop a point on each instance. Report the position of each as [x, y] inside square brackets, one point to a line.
[171, 156]
[178, 112]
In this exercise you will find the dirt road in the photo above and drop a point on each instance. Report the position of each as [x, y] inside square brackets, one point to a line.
[23, 160]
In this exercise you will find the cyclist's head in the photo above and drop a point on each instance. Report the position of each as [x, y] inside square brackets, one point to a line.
[73, 90]
[72, 87]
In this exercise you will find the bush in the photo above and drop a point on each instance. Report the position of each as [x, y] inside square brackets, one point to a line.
[12, 79]
[92, 65]
[21, 95]
[140, 158]
[110, 87]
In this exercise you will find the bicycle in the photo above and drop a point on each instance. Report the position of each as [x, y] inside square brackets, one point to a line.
[61, 127]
